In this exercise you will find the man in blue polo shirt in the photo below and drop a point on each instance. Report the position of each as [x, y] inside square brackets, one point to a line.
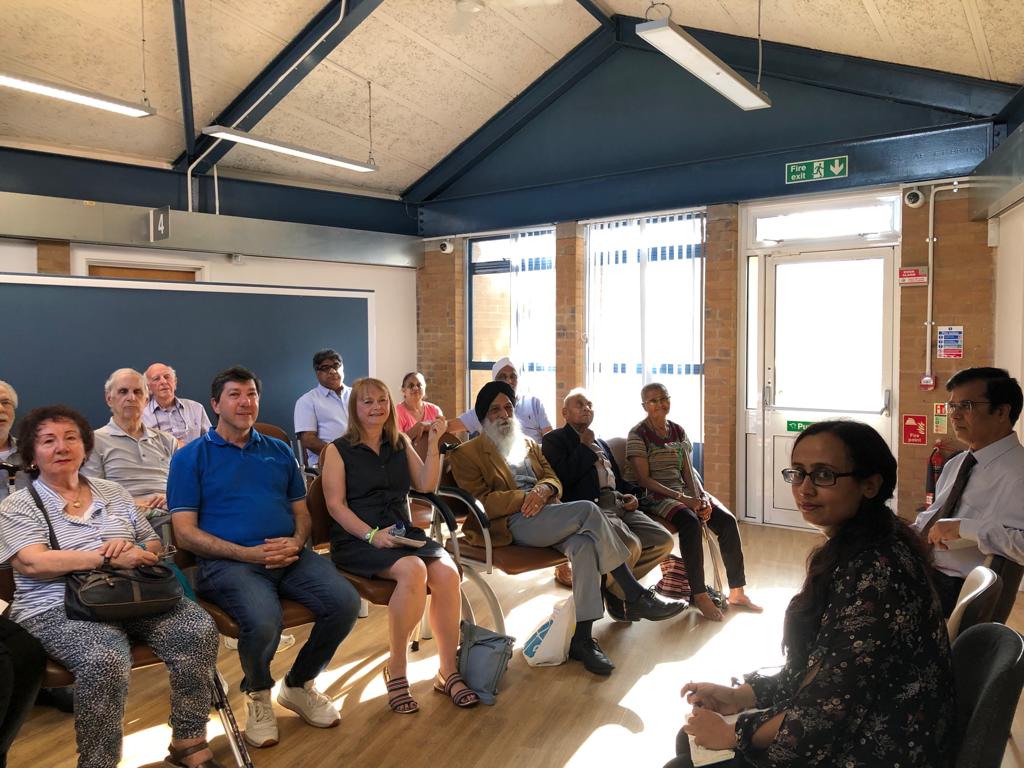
[237, 501]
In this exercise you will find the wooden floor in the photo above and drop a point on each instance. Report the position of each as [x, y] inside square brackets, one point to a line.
[561, 716]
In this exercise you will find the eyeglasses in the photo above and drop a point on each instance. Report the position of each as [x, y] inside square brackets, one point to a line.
[328, 368]
[964, 405]
[664, 400]
[820, 477]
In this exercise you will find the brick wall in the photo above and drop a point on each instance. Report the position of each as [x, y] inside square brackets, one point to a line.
[570, 313]
[720, 311]
[441, 326]
[963, 275]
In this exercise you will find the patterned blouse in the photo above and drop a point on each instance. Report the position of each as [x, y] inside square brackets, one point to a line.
[880, 691]
[666, 456]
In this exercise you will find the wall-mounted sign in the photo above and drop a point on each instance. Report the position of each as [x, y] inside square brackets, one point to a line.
[913, 276]
[951, 342]
[797, 426]
[915, 429]
[159, 223]
[818, 170]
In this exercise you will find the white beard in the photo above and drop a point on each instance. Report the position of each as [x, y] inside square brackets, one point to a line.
[509, 439]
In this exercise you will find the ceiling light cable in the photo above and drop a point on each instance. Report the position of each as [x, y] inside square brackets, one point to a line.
[369, 111]
[760, 52]
[142, 15]
[652, 6]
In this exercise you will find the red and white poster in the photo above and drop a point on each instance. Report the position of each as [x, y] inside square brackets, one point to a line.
[915, 429]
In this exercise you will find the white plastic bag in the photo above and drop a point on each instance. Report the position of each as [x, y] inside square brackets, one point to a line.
[548, 644]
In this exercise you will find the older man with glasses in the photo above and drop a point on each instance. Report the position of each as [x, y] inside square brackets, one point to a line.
[979, 498]
[321, 415]
[14, 477]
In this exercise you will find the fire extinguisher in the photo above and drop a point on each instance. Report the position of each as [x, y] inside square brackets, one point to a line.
[941, 453]
[935, 464]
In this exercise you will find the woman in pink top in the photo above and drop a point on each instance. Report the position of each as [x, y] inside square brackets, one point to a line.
[414, 413]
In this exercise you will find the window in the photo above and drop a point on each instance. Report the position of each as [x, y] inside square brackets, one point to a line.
[645, 310]
[512, 310]
[866, 219]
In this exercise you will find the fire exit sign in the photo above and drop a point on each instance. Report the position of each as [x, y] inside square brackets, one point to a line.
[818, 170]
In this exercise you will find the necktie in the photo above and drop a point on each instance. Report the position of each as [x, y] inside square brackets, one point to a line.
[949, 506]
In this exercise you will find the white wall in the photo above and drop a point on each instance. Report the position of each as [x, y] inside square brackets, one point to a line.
[1009, 333]
[394, 287]
[17, 255]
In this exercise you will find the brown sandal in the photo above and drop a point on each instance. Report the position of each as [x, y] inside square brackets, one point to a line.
[398, 694]
[463, 699]
[176, 757]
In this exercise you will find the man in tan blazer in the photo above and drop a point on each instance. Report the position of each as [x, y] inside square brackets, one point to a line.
[508, 473]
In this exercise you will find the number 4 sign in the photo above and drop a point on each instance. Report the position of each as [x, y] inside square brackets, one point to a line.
[159, 223]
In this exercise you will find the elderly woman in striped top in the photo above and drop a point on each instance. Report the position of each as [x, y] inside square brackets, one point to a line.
[658, 454]
[96, 524]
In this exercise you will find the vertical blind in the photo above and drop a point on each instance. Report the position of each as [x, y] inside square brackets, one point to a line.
[645, 315]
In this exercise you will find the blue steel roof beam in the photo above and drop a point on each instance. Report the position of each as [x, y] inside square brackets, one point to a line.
[942, 152]
[1013, 113]
[573, 67]
[968, 96]
[251, 102]
[184, 77]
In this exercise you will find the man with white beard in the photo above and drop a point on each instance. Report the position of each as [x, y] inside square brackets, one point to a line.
[508, 473]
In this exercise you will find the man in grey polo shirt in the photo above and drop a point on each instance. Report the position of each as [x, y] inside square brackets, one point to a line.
[8, 445]
[321, 415]
[127, 451]
[185, 419]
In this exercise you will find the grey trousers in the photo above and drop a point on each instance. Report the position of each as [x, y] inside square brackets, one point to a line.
[649, 542]
[580, 531]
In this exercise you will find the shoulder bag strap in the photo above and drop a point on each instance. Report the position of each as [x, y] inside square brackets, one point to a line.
[39, 503]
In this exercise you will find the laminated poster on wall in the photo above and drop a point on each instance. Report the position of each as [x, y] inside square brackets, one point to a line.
[939, 419]
[950, 345]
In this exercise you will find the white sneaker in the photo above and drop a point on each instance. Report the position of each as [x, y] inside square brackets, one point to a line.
[286, 641]
[261, 722]
[309, 704]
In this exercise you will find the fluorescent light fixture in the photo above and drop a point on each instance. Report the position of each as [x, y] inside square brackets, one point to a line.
[243, 137]
[78, 96]
[685, 51]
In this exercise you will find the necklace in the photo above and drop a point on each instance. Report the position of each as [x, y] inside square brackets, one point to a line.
[77, 502]
[660, 432]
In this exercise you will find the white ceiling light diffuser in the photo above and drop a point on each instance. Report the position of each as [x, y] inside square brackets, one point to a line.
[685, 51]
[76, 95]
[243, 137]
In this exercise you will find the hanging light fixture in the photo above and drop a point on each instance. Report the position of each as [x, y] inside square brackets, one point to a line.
[76, 95]
[688, 53]
[284, 148]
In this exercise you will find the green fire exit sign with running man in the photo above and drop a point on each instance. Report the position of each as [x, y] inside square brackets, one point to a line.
[818, 170]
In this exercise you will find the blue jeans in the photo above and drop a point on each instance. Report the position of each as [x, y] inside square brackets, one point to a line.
[252, 594]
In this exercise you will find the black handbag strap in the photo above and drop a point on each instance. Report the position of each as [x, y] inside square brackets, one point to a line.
[39, 503]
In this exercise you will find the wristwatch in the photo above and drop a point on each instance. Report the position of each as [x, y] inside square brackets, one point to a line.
[106, 561]
[368, 536]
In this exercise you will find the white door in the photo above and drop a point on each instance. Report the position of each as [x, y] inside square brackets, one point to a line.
[827, 354]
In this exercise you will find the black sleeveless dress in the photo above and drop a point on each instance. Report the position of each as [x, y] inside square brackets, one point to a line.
[377, 488]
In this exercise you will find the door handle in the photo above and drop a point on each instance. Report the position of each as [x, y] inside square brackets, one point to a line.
[886, 403]
[766, 396]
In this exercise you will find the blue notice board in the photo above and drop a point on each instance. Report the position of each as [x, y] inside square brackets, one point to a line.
[63, 336]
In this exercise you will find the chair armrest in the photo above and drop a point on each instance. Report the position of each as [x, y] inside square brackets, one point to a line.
[439, 506]
[469, 500]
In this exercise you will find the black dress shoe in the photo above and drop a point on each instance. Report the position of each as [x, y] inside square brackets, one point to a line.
[58, 698]
[614, 605]
[649, 606]
[590, 653]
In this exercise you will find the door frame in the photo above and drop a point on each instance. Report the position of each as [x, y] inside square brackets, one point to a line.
[749, 497]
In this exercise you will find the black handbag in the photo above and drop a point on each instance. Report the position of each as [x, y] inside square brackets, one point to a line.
[115, 594]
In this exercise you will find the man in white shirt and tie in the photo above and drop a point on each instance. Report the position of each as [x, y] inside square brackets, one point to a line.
[979, 498]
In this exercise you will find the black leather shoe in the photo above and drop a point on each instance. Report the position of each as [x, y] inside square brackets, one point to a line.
[614, 605]
[649, 606]
[58, 698]
[593, 658]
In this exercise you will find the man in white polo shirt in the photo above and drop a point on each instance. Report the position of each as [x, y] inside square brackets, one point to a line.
[127, 451]
[321, 415]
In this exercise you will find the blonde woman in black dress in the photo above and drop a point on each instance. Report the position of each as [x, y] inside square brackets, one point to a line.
[367, 475]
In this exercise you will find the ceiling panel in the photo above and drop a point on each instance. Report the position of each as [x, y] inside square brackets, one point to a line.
[1004, 29]
[948, 46]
